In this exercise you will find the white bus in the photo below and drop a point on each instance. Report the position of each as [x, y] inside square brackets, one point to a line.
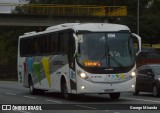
[76, 58]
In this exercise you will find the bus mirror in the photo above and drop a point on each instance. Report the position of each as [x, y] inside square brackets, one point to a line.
[75, 36]
[139, 43]
[76, 55]
[79, 50]
[79, 38]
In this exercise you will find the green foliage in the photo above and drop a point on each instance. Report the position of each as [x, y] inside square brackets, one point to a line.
[149, 19]
[9, 42]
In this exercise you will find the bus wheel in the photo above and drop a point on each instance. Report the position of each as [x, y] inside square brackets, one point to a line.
[114, 96]
[31, 86]
[64, 91]
[156, 92]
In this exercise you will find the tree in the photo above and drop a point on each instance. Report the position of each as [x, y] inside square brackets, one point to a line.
[9, 43]
[149, 19]
[150, 22]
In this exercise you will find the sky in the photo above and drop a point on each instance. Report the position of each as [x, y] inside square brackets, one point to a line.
[6, 9]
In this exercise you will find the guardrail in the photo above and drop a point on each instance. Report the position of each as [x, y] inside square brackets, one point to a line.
[67, 10]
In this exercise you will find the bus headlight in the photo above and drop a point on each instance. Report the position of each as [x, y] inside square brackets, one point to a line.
[133, 74]
[83, 75]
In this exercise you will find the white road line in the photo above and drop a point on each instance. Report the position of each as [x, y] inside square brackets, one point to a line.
[141, 100]
[86, 107]
[54, 101]
[22, 111]
[116, 112]
[29, 97]
[10, 94]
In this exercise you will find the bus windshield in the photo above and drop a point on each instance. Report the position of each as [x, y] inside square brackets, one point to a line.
[106, 50]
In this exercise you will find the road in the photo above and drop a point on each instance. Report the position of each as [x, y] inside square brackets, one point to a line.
[11, 93]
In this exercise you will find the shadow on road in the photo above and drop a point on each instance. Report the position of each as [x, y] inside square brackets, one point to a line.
[88, 98]
[145, 95]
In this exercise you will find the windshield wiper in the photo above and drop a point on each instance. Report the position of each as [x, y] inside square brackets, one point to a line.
[108, 50]
[108, 58]
[115, 59]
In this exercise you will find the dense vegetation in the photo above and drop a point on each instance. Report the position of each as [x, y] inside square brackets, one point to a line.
[149, 23]
[9, 41]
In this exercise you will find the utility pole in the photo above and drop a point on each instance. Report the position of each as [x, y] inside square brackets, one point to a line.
[138, 17]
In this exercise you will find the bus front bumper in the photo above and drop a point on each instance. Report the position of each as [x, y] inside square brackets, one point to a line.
[86, 87]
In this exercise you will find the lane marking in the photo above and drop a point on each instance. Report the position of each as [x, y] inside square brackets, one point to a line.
[86, 107]
[141, 100]
[29, 97]
[54, 101]
[10, 94]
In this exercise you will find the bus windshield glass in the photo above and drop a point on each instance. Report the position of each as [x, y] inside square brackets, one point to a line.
[106, 49]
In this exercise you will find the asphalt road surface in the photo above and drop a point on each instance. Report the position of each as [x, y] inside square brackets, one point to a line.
[17, 97]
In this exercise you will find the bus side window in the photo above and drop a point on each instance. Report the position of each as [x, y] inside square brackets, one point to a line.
[25, 47]
[64, 39]
[29, 50]
[36, 46]
[22, 47]
[61, 42]
[45, 44]
[54, 43]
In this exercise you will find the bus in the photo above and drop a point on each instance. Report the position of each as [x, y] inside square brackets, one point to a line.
[78, 58]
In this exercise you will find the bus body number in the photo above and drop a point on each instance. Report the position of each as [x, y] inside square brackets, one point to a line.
[111, 35]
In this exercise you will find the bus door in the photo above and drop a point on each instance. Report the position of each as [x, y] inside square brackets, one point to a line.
[71, 60]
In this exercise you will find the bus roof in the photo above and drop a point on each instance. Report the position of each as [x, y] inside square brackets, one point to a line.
[93, 27]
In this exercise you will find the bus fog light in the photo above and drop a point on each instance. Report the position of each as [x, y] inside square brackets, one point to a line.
[82, 87]
[133, 86]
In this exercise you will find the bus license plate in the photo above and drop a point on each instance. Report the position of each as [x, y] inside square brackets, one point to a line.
[108, 90]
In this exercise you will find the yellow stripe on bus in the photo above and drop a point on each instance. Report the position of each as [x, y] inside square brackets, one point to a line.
[46, 68]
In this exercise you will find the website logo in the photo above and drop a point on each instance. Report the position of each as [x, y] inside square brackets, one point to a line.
[6, 107]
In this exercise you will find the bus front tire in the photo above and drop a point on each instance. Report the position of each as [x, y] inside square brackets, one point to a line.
[64, 90]
[114, 96]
